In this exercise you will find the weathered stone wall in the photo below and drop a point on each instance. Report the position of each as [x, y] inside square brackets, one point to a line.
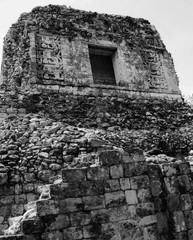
[123, 197]
[112, 201]
[48, 48]
[98, 111]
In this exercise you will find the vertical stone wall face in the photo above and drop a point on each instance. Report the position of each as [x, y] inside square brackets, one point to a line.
[52, 53]
[122, 198]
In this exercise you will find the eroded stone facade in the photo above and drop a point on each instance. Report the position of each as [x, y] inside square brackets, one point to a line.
[52, 53]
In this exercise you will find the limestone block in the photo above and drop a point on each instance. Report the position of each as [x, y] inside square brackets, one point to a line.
[144, 195]
[98, 173]
[93, 202]
[19, 199]
[44, 175]
[134, 155]
[115, 199]
[5, 211]
[17, 210]
[56, 222]
[7, 190]
[162, 222]
[129, 229]
[173, 202]
[160, 205]
[127, 158]
[132, 212]
[31, 197]
[74, 175]
[116, 171]
[71, 205]
[100, 216]
[73, 233]
[31, 226]
[188, 216]
[145, 209]
[90, 188]
[95, 143]
[184, 184]
[169, 169]
[171, 184]
[131, 197]
[118, 213]
[7, 200]
[139, 182]
[184, 168]
[125, 183]
[186, 202]
[179, 222]
[148, 220]
[92, 231]
[80, 218]
[29, 187]
[47, 207]
[156, 187]
[12, 110]
[110, 157]
[154, 171]
[110, 215]
[112, 185]
[134, 169]
[65, 190]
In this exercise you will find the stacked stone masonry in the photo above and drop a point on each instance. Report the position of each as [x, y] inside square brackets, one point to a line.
[121, 198]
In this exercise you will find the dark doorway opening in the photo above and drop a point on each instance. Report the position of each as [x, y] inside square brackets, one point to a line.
[102, 65]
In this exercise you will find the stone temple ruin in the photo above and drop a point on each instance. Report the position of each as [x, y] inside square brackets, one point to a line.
[65, 74]
[70, 51]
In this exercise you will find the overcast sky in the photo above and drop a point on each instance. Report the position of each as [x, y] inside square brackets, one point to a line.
[172, 18]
